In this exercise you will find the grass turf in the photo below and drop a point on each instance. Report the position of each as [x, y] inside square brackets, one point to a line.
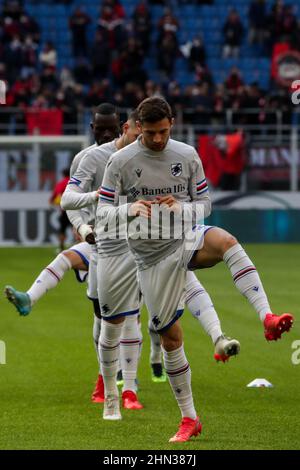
[51, 368]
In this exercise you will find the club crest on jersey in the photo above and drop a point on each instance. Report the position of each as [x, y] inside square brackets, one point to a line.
[138, 172]
[176, 169]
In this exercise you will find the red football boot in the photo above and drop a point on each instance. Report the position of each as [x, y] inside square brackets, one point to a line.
[98, 393]
[187, 428]
[130, 401]
[275, 325]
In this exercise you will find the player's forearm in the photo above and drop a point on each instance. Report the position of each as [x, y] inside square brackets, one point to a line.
[75, 217]
[110, 221]
[72, 199]
[107, 213]
[206, 204]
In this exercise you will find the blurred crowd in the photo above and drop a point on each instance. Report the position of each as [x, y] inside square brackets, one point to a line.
[112, 66]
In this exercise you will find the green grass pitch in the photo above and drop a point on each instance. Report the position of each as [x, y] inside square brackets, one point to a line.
[50, 370]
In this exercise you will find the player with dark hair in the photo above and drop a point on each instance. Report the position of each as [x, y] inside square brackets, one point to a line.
[120, 293]
[105, 126]
[116, 263]
[172, 177]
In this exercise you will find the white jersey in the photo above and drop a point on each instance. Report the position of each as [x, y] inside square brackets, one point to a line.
[140, 173]
[82, 188]
[79, 217]
[78, 157]
[84, 182]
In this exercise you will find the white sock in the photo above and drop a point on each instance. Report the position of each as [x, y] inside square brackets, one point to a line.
[49, 277]
[109, 349]
[96, 336]
[155, 347]
[129, 352]
[247, 279]
[200, 305]
[179, 374]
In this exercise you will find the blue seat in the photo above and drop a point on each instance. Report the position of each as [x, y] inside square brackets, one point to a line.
[188, 11]
[44, 10]
[62, 22]
[60, 10]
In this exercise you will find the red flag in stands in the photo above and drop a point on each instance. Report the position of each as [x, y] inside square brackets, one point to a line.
[221, 154]
[44, 121]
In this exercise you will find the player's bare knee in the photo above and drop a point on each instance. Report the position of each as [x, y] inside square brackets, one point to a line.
[75, 260]
[171, 339]
[228, 242]
[69, 254]
[171, 344]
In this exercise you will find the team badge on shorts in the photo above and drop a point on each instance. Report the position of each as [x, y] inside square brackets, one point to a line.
[105, 308]
[176, 169]
[156, 321]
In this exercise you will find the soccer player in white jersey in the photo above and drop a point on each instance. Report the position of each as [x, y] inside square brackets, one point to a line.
[81, 258]
[105, 126]
[120, 293]
[158, 170]
[88, 178]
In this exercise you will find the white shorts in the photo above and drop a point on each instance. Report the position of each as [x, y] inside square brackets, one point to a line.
[118, 290]
[84, 250]
[88, 254]
[163, 284]
[92, 291]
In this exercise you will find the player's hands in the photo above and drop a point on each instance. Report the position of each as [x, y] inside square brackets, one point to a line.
[169, 201]
[166, 200]
[86, 233]
[90, 238]
[140, 208]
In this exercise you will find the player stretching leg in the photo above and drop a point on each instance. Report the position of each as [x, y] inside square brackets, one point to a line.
[118, 290]
[200, 305]
[173, 168]
[82, 191]
[76, 257]
[220, 245]
[140, 172]
[105, 127]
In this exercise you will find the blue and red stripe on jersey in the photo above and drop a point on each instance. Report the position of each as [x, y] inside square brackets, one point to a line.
[107, 194]
[74, 181]
[202, 187]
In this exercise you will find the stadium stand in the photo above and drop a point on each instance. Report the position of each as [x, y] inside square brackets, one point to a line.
[119, 67]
